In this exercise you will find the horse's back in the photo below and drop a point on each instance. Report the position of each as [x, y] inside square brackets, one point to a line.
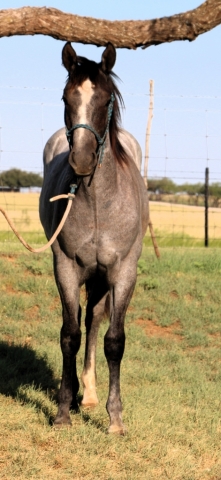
[55, 145]
[131, 146]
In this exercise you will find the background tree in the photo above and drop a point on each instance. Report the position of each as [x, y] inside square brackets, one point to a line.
[214, 192]
[15, 178]
[193, 191]
[191, 188]
[162, 185]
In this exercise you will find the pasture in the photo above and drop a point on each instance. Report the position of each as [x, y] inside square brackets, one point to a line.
[186, 222]
[22, 209]
[171, 375]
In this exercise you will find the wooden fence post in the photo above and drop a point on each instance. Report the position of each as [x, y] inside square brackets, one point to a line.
[146, 161]
[148, 130]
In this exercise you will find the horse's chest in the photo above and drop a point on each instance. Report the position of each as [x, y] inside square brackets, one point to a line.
[101, 240]
[96, 254]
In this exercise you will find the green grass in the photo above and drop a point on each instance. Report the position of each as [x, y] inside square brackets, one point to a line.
[9, 242]
[171, 375]
[30, 237]
[165, 239]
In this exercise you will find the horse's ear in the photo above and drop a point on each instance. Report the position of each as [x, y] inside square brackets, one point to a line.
[69, 57]
[108, 58]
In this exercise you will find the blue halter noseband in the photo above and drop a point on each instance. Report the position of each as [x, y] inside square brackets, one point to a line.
[100, 140]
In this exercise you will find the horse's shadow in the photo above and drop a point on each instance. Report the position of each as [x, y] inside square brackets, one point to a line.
[26, 376]
[23, 373]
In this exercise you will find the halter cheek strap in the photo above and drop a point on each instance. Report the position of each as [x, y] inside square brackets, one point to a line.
[100, 140]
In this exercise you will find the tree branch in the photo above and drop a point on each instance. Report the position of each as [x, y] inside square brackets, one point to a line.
[123, 34]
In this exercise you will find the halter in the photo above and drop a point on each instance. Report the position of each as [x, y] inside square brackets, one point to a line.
[100, 140]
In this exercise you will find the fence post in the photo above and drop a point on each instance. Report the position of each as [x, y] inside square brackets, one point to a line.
[207, 207]
[147, 143]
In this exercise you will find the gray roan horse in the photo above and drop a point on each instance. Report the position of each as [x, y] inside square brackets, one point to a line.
[101, 241]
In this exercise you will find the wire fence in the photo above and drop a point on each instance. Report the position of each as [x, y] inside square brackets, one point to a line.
[185, 139]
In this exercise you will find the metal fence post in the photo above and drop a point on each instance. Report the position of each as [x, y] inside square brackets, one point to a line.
[207, 207]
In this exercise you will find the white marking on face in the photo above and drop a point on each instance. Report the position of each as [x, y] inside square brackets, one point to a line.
[86, 90]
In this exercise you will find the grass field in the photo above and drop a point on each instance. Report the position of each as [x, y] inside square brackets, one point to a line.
[174, 225]
[171, 375]
[185, 220]
[22, 209]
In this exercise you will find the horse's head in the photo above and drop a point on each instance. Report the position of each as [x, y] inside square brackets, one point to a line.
[88, 98]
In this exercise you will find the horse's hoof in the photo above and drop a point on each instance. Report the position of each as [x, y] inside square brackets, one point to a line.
[89, 404]
[62, 423]
[117, 429]
[89, 400]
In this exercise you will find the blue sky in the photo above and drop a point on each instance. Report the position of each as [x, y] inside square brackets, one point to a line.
[187, 104]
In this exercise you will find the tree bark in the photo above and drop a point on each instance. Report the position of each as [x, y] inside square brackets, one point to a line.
[123, 34]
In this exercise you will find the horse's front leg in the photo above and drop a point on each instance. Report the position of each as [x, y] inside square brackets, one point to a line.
[114, 341]
[70, 338]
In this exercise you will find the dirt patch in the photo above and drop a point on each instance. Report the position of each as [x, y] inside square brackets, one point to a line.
[174, 294]
[188, 297]
[32, 312]
[10, 290]
[10, 257]
[130, 308]
[215, 335]
[55, 304]
[153, 330]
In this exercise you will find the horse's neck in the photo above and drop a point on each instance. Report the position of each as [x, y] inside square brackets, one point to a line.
[104, 181]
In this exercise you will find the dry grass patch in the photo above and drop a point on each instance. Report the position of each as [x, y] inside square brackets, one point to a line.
[185, 220]
[22, 208]
[168, 218]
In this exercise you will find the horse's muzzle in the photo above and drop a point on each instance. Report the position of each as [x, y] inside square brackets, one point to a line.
[83, 164]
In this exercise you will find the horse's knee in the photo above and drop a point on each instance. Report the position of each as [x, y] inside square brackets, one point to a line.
[70, 340]
[114, 345]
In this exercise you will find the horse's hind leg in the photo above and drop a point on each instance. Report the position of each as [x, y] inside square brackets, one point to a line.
[94, 315]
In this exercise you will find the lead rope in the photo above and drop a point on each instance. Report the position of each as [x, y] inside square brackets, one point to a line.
[70, 196]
